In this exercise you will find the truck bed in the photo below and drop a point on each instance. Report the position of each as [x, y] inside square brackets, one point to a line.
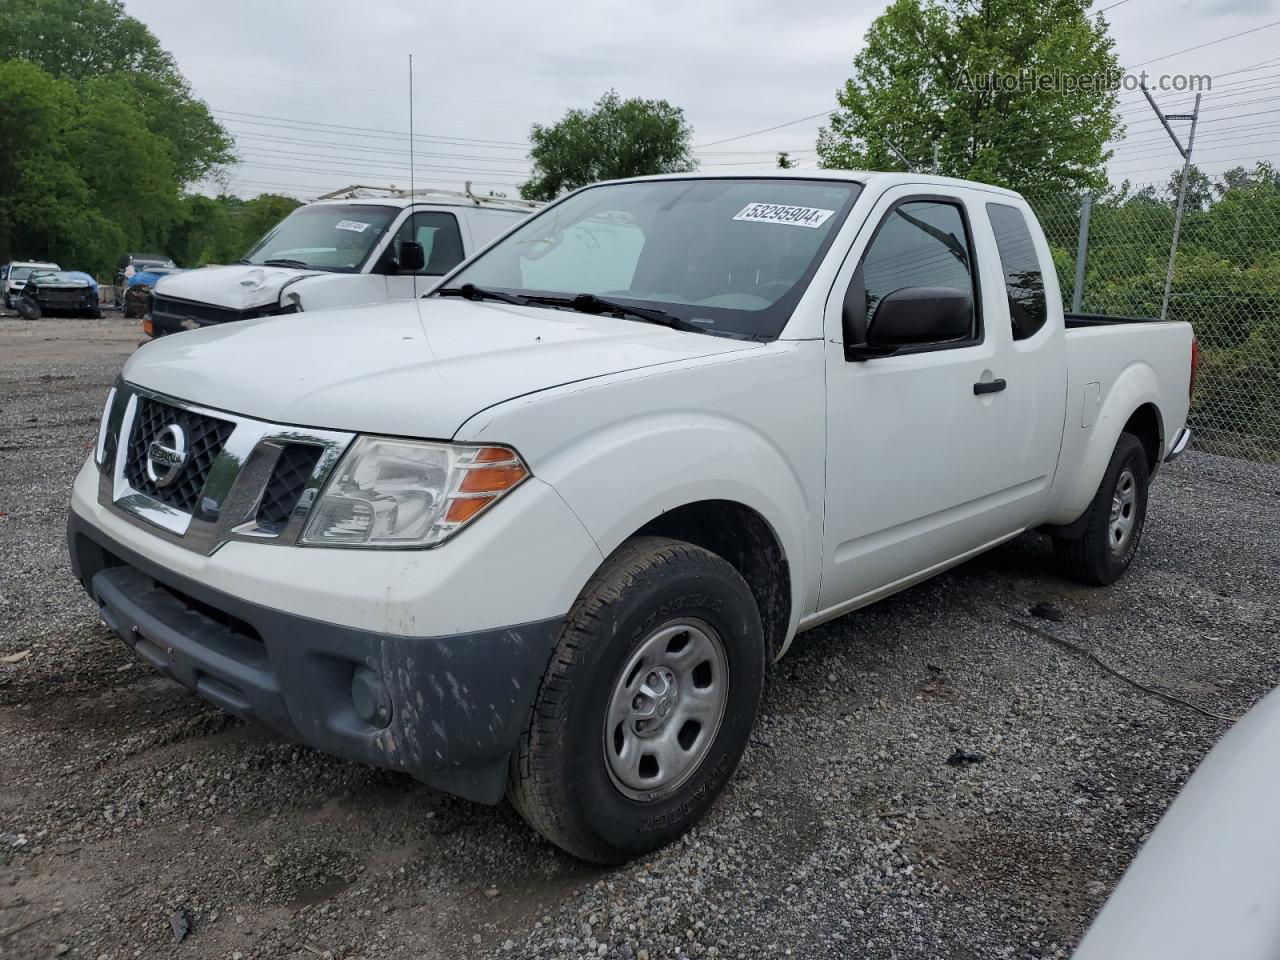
[1075, 320]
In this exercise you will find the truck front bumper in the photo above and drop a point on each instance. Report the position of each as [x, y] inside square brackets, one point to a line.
[446, 709]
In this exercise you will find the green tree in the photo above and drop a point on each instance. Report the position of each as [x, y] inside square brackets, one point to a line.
[261, 214]
[43, 200]
[785, 162]
[79, 40]
[615, 138]
[998, 85]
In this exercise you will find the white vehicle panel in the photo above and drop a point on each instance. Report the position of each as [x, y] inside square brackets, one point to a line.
[407, 593]
[395, 370]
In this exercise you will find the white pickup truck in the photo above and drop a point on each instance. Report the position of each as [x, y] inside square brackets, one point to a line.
[539, 533]
[362, 246]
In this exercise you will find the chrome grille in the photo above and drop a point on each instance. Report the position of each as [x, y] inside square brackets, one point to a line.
[206, 436]
[296, 465]
[243, 479]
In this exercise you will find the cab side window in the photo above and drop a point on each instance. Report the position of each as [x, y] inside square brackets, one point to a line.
[1023, 279]
[920, 243]
[441, 241]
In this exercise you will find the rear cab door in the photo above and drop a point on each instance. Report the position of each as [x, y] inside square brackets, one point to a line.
[922, 469]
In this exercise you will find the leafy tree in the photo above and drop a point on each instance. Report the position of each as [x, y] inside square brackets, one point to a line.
[79, 40]
[222, 229]
[615, 138]
[784, 161]
[43, 200]
[996, 84]
[261, 214]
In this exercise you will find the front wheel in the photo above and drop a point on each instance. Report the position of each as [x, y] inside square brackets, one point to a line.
[646, 707]
[1116, 517]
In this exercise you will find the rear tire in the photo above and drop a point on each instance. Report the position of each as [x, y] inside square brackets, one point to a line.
[1116, 518]
[646, 706]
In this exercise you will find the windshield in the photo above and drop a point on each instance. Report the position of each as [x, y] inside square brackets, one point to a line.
[325, 236]
[727, 255]
[22, 273]
[56, 276]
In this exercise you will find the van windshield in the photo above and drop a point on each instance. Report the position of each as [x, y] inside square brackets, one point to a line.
[728, 256]
[325, 236]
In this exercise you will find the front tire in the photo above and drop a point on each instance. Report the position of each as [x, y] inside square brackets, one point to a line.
[646, 706]
[1116, 518]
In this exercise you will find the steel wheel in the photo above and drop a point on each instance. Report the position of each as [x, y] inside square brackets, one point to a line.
[1124, 511]
[665, 709]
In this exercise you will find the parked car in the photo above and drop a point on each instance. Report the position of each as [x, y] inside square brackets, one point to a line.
[539, 533]
[338, 252]
[1205, 883]
[16, 275]
[59, 291]
[131, 264]
[139, 289]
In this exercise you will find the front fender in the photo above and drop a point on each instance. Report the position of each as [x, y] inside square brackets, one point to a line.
[620, 478]
[1137, 384]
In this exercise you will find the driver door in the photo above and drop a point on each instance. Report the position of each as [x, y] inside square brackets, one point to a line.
[914, 479]
[443, 249]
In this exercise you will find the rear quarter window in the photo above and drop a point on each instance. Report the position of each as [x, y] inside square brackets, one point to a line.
[1023, 273]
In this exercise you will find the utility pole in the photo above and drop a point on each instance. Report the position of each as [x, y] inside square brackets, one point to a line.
[1194, 117]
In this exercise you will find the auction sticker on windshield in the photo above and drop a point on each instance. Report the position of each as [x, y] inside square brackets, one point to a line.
[355, 226]
[781, 213]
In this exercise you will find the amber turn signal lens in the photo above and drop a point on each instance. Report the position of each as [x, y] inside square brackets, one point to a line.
[148, 329]
[460, 511]
[491, 479]
[494, 455]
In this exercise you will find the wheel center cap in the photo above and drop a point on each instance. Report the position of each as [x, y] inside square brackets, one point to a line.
[655, 706]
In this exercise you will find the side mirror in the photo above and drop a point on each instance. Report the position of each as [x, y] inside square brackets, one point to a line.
[915, 315]
[412, 257]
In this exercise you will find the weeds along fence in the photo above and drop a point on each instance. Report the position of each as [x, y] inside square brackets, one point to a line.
[1226, 283]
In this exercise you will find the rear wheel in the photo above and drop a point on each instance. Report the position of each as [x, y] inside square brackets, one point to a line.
[1116, 517]
[646, 707]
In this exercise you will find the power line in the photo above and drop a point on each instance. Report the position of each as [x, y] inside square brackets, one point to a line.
[271, 141]
[400, 135]
[756, 133]
[1201, 46]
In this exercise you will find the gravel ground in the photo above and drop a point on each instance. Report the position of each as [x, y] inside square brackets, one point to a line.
[845, 833]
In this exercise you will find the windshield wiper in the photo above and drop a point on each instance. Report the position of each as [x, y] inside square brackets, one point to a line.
[590, 303]
[284, 262]
[469, 291]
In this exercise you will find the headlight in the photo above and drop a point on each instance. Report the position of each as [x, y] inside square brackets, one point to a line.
[405, 493]
[100, 449]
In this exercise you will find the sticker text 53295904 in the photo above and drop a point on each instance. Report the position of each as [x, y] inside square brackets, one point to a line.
[355, 226]
[813, 217]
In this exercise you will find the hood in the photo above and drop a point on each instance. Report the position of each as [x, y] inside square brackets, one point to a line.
[414, 369]
[238, 287]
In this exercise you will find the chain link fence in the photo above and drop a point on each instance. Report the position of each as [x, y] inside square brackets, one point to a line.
[1226, 283]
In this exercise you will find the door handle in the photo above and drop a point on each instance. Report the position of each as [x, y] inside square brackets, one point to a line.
[988, 386]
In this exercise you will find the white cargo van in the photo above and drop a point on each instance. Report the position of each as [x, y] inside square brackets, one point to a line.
[362, 245]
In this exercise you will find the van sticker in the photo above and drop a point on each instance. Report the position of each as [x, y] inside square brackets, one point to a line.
[355, 226]
[813, 217]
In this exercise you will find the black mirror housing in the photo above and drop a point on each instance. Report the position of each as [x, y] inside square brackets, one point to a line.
[916, 315]
[412, 257]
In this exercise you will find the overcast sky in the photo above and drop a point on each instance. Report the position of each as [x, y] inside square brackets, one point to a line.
[315, 92]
